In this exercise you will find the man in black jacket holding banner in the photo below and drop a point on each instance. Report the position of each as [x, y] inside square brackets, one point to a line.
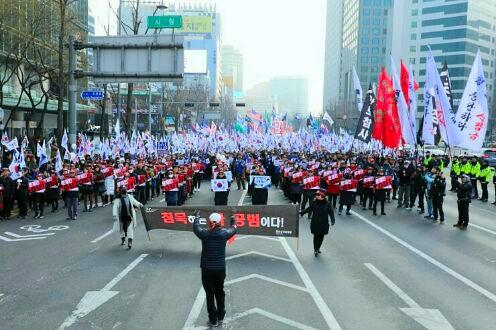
[213, 263]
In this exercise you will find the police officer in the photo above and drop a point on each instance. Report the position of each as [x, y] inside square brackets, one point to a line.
[464, 197]
[474, 172]
[438, 189]
[484, 176]
[213, 263]
[455, 173]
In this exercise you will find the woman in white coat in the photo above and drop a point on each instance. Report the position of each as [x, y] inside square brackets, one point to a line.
[125, 217]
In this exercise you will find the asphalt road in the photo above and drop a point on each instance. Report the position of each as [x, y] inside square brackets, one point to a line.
[398, 271]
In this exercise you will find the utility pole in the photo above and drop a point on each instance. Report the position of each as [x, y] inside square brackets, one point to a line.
[72, 89]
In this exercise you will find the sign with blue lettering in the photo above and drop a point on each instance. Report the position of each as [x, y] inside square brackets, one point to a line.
[92, 94]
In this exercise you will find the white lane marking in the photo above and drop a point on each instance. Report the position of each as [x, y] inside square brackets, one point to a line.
[269, 315]
[6, 239]
[268, 238]
[331, 321]
[400, 293]
[94, 299]
[194, 313]
[428, 258]
[121, 275]
[26, 236]
[267, 279]
[242, 198]
[429, 318]
[257, 253]
[99, 238]
[482, 228]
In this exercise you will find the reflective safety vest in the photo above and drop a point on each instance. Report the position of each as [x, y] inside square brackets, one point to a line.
[486, 174]
[474, 170]
[466, 168]
[427, 161]
[456, 169]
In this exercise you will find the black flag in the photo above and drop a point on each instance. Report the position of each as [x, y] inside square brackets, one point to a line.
[366, 123]
[446, 80]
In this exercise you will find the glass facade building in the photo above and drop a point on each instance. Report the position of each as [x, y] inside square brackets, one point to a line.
[359, 34]
[454, 30]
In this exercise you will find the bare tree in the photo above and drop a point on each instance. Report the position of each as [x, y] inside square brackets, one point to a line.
[63, 9]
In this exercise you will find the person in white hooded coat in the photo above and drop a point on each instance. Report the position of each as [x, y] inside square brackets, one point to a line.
[125, 218]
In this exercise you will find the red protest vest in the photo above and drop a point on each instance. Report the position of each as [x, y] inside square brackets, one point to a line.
[85, 178]
[170, 184]
[383, 182]
[368, 181]
[298, 177]
[311, 182]
[108, 171]
[35, 186]
[334, 179]
[358, 174]
[69, 184]
[348, 185]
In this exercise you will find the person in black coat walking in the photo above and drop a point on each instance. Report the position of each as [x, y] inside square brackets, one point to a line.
[8, 192]
[213, 263]
[321, 211]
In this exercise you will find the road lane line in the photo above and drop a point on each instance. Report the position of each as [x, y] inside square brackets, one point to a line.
[331, 321]
[432, 319]
[482, 228]
[428, 258]
[195, 310]
[103, 236]
[270, 256]
[121, 275]
[92, 300]
[162, 200]
[406, 298]
[242, 198]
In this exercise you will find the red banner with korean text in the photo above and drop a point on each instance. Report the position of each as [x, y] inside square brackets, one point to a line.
[261, 220]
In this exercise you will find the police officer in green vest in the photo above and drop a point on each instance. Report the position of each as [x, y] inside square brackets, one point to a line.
[465, 167]
[455, 173]
[427, 159]
[485, 175]
[474, 172]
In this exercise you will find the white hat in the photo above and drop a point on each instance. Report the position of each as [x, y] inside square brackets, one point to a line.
[215, 217]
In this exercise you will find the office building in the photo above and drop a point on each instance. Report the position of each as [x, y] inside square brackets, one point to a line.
[454, 31]
[359, 34]
[232, 69]
[285, 95]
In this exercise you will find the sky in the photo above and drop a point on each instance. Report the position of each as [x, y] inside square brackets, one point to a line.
[277, 38]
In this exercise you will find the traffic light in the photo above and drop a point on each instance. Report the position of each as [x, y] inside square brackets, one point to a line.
[240, 105]
[214, 104]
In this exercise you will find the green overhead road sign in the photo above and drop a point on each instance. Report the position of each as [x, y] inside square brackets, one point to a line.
[165, 22]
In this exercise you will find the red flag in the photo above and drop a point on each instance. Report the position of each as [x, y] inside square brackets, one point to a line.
[405, 80]
[387, 127]
[380, 107]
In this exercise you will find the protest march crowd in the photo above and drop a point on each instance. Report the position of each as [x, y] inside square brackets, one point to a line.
[300, 164]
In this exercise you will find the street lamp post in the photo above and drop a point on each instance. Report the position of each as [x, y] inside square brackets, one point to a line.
[157, 8]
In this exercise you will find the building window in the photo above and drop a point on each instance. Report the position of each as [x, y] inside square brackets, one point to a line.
[365, 60]
[413, 36]
[414, 24]
[413, 49]
[374, 59]
[415, 12]
[365, 50]
[375, 50]
[375, 41]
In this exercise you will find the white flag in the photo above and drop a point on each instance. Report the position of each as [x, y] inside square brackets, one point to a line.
[428, 133]
[407, 130]
[58, 162]
[328, 118]
[446, 118]
[413, 99]
[358, 90]
[472, 115]
[117, 127]
[65, 139]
